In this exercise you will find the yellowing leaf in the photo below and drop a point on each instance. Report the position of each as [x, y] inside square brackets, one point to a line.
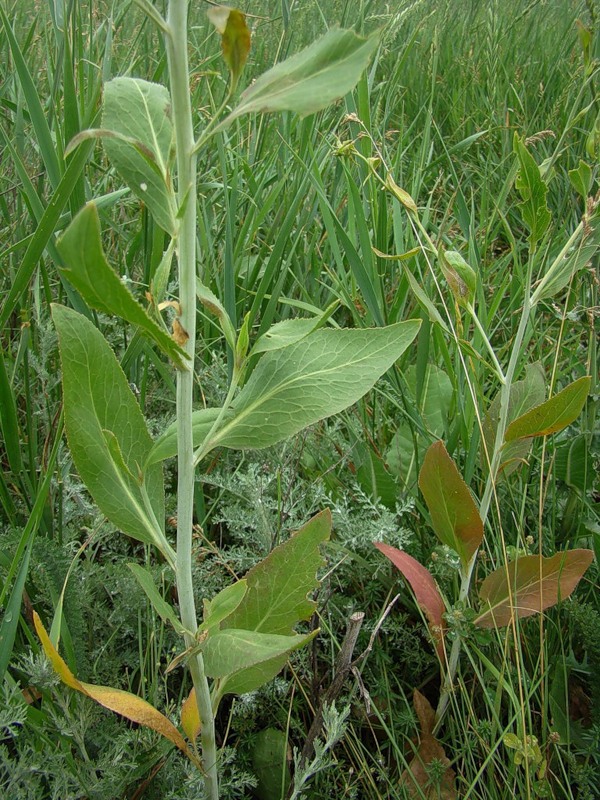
[126, 704]
[235, 38]
[529, 585]
[190, 718]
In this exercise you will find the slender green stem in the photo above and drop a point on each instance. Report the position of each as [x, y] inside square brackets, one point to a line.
[176, 43]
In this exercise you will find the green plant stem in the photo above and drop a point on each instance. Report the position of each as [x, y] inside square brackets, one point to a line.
[467, 572]
[176, 44]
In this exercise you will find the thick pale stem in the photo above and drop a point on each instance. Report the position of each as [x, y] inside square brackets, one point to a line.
[176, 43]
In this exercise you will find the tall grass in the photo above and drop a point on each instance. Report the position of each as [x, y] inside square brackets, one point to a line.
[287, 223]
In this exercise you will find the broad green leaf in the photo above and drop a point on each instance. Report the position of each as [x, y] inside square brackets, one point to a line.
[533, 191]
[235, 38]
[190, 717]
[434, 407]
[166, 444]
[454, 515]
[424, 588]
[160, 605]
[574, 463]
[312, 79]
[529, 585]
[87, 269]
[582, 179]
[126, 704]
[276, 599]
[321, 375]
[230, 651]
[270, 750]
[553, 415]
[101, 413]
[289, 331]
[223, 604]
[141, 112]
[524, 395]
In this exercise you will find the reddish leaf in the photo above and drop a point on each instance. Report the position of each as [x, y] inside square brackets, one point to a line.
[553, 415]
[529, 585]
[415, 779]
[454, 515]
[424, 589]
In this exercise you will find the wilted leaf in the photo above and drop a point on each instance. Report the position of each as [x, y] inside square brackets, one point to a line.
[529, 585]
[235, 38]
[553, 415]
[126, 704]
[424, 588]
[461, 277]
[454, 516]
[99, 285]
[190, 718]
[416, 779]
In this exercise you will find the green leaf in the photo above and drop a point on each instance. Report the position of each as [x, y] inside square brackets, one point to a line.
[533, 190]
[553, 415]
[230, 651]
[454, 515]
[276, 599]
[312, 79]
[524, 395]
[574, 463]
[461, 277]
[270, 764]
[9, 422]
[320, 375]
[141, 112]
[162, 608]
[235, 38]
[434, 407]
[101, 412]
[582, 179]
[283, 334]
[166, 444]
[529, 585]
[88, 270]
[223, 604]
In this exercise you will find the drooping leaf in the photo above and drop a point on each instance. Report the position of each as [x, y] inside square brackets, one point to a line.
[312, 79]
[533, 190]
[416, 779]
[529, 585]
[424, 588]
[162, 608]
[454, 516]
[141, 112]
[524, 395]
[126, 704]
[98, 401]
[229, 651]
[553, 415]
[235, 38]
[323, 374]
[190, 718]
[276, 599]
[87, 269]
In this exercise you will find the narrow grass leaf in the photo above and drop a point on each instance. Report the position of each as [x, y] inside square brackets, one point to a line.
[312, 79]
[160, 605]
[9, 423]
[454, 515]
[424, 588]
[88, 270]
[529, 585]
[126, 704]
[323, 374]
[553, 415]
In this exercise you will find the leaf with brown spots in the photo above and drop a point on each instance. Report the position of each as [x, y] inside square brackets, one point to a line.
[416, 778]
